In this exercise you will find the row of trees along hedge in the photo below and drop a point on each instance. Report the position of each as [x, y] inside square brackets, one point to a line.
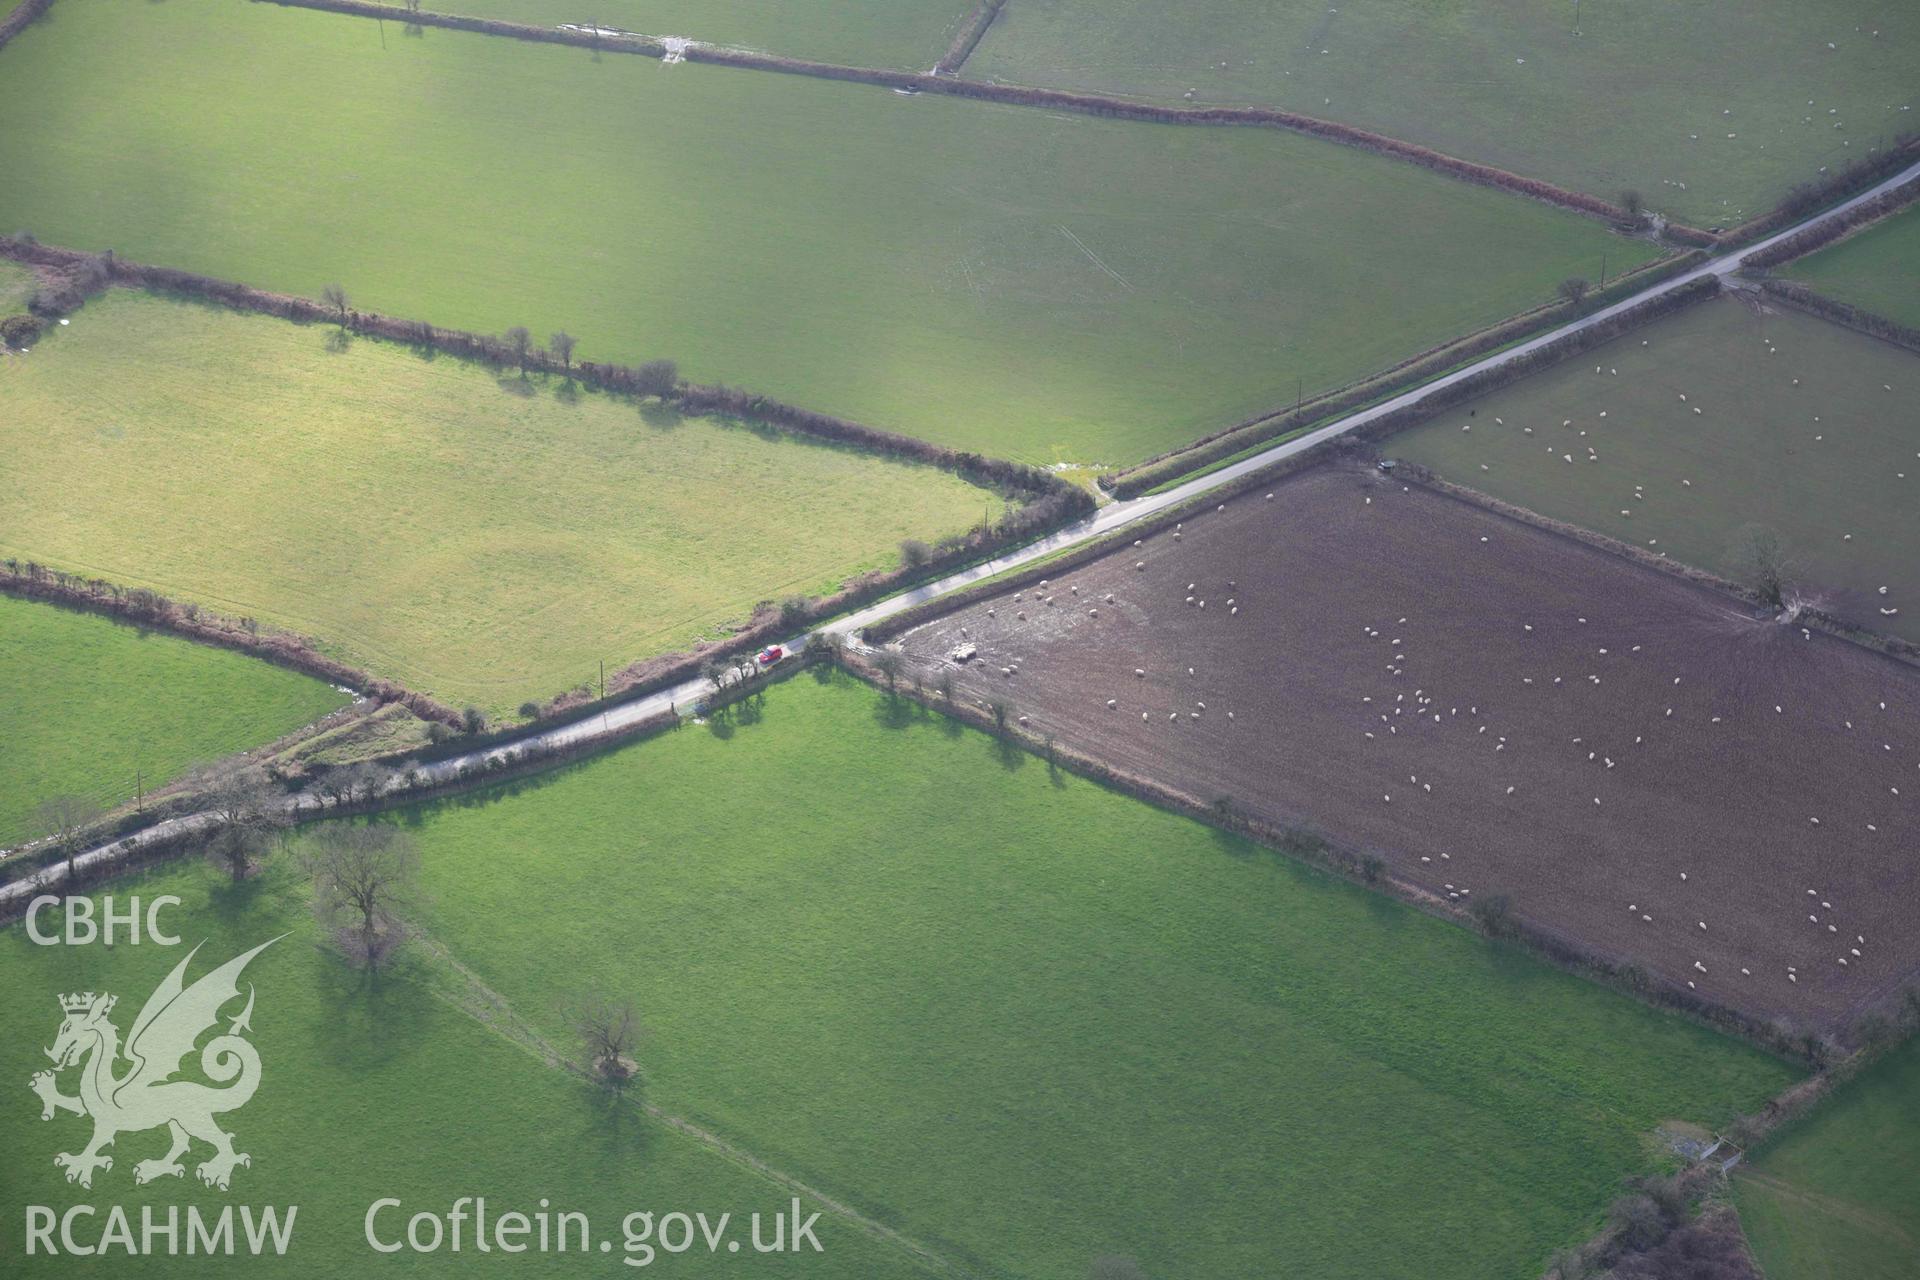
[1045, 501]
[79, 275]
[1807, 197]
[1802, 243]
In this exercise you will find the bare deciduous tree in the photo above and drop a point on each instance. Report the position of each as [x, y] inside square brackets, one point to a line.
[354, 783]
[888, 662]
[561, 344]
[1761, 561]
[1573, 290]
[365, 781]
[520, 343]
[608, 1030]
[247, 815]
[364, 879]
[62, 819]
[335, 300]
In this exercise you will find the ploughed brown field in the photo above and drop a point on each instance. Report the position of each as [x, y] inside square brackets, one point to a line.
[1638, 763]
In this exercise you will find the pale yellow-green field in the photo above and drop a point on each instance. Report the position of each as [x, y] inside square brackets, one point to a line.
[477, 537]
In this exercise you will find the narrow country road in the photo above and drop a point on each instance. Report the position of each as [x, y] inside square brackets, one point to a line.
[615, 720]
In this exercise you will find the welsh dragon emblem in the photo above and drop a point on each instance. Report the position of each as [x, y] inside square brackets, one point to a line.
[146, 1095]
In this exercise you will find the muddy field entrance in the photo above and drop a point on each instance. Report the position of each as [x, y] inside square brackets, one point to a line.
[1636, 763]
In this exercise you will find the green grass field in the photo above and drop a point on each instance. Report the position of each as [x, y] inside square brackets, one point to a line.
[1022, 283]
[1734, 105]
[388, 1088]
[1838, 1196]
[1029, 1021]
[1832, 464]
[909, 35]
[1875, 269]
[475, 537]
[95, 708]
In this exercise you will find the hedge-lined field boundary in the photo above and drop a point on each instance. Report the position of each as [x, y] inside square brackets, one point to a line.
[128, 842]
[1798, 203]
[173, 833]
[1315, 848]
[1903, 651]
[1814, 303]
[21, 18]
[1368, 433]
[1809, 197]
[86, 273]
[1047, 501]
[1802, 200]
[1799, 245]
[30, 580]
[1409, 373]
[1579, 957]
[971, 33]
[1051, 99]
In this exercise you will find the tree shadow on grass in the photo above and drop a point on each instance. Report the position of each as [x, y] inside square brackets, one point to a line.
[750, 710]
[338, 341]
[764, 431]
[661, 415]
[485, 794]
[234, 899]
[1236, 846]
[276, 884]
[891, 711]
[613, 1127]
[567, 392]
[371, 1016]
[516, 386]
